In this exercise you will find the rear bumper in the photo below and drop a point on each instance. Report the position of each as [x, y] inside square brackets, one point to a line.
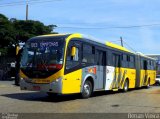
[55, 87]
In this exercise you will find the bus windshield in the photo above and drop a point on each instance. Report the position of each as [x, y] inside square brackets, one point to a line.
[42, 57]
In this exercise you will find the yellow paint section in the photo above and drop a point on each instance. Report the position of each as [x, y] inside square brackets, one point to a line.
[131, 75]
[59, 73]
[72, 82]
[43, 80]
[75, 35]
[150, 74]
[117, 46]
[142, 75]
[123, 73]
[115, 89]
[51, 78]
[115, 84]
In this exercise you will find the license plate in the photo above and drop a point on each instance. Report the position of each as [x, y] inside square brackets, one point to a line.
[36, 88]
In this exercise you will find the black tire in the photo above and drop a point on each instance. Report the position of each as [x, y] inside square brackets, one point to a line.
[50, 94]
[87, 89]
[148, 84]
[17, 80]
[126, 86]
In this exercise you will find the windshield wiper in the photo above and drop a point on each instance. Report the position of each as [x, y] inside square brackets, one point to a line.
[30, 62]
[43, 63]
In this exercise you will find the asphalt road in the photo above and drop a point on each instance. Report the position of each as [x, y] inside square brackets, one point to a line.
[12, 99]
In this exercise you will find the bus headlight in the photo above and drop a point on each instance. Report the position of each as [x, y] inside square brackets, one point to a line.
[22, 78]
[58, 79]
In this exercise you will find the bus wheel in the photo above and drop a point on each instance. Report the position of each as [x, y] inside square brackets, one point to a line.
[148, 84]
[126, 86]
[87, 89]
[50, 94]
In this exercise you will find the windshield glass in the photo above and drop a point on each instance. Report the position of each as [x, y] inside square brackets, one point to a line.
[42, 57]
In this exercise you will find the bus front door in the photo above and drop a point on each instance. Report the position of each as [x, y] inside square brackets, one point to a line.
[73, 74]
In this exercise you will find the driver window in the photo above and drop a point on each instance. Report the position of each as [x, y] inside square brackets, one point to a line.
[72, 61]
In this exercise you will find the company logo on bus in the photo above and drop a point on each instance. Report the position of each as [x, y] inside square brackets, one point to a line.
[92, 70]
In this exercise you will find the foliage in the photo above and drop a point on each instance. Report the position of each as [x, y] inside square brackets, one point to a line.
[14, 31]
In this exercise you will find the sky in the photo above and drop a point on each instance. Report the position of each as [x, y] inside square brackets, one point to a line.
[136, 21]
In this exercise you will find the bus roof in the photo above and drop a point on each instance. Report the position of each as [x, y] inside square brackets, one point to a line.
[109, 44]
[145, 56]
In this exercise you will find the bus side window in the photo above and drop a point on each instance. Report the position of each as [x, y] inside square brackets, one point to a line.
[145, 64]
[109, 59]
[142, 64]
[132, 62]
[124, 60]
[151, 65]
[88, 54]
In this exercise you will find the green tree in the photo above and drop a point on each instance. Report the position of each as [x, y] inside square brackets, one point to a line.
[30, 28]
[6, 34]
[14, 31]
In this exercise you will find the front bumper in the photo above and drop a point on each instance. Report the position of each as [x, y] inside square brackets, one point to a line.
[55, 87]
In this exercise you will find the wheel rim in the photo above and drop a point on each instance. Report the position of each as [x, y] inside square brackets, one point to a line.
[126, 86]
[86, 89]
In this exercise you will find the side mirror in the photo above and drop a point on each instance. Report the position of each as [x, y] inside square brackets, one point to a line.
[73, 51]
[17, 50]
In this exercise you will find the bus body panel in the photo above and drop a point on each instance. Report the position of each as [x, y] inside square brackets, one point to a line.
[105, 77]
[90, 72]
[144, 77]
[147, 75]
[54, 87]
[119, 76]
[72, 82]
[151, 76]
[47, 80]
[109, 77]
[130, 74]
[97, 74]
